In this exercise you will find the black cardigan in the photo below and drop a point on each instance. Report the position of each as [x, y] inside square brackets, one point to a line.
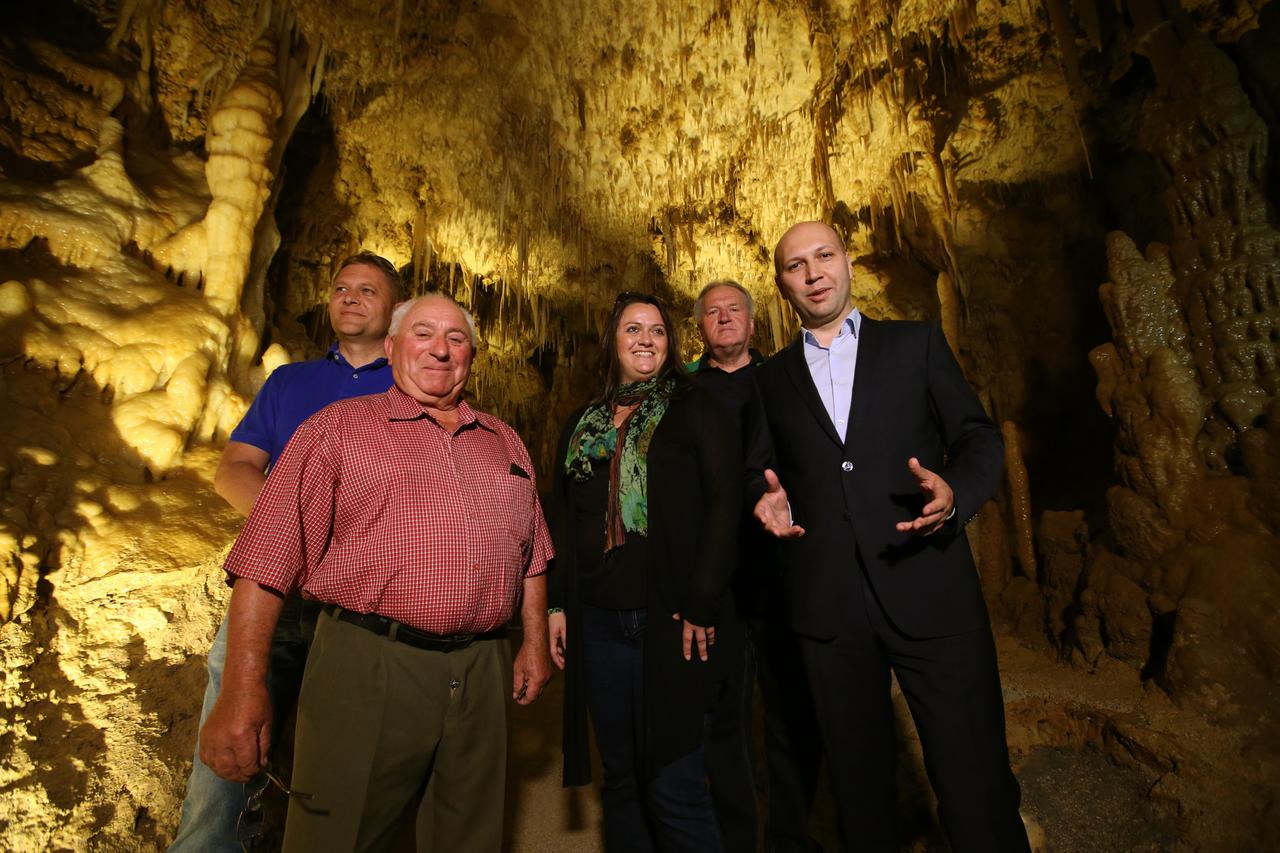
[695, 497]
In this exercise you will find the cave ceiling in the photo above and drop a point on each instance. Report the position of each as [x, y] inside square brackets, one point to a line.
[564, 151]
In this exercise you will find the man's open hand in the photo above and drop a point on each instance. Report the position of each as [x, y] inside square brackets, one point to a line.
[773, 511]
[939, 501]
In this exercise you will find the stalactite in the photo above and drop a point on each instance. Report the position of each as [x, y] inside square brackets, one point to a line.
[1066, 37]
[241, 138]
[1019, 499]
[950, 310]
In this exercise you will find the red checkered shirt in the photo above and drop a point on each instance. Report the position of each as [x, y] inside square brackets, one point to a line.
[376, 508]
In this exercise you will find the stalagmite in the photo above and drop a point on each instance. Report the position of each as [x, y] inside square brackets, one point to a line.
[1020, 499]
[241, 138]
[949, 307]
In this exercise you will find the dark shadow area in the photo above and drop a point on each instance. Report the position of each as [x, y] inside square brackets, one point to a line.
[1257, 58]
[1069, 439]
[1086, 802]
[1129, 183]
[308, 213]
[1162, 629]
[76, 29]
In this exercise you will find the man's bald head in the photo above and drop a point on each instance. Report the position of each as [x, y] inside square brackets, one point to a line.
[801, 229]
[813, 272]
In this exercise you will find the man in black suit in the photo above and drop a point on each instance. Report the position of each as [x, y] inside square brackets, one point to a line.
[869, 453]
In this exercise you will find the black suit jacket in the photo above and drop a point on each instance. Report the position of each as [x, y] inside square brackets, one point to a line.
[910, 398]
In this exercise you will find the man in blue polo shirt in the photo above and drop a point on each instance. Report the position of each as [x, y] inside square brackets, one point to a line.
[365, 290]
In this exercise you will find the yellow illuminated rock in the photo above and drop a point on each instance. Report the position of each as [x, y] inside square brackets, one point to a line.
[14, 300]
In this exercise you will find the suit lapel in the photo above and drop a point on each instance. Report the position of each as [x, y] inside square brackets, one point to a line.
[865, 376]
[798, 371]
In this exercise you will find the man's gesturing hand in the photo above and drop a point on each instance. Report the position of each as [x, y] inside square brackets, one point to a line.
[236, 737]
[939, 501]
[773, 511]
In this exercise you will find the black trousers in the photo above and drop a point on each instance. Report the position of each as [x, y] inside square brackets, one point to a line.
[728, 742]
[766, 652]
[792, 743]
[952, 688]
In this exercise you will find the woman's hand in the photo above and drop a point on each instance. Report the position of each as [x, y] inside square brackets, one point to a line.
[704, 637]
[557, 630]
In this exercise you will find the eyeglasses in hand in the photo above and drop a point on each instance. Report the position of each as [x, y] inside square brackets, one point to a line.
[249, 825]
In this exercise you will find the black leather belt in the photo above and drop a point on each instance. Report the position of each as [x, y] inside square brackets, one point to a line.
[398, 631]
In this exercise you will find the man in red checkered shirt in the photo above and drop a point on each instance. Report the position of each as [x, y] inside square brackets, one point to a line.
[416, 520]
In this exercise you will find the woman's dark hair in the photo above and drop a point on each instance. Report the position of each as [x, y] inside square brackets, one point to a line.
[671, 367]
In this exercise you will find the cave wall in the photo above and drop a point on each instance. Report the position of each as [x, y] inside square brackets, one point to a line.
[1080, 193]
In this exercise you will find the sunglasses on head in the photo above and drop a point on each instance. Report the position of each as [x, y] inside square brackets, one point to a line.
[631, 296]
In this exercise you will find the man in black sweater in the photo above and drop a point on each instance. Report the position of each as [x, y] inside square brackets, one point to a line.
[754, 644]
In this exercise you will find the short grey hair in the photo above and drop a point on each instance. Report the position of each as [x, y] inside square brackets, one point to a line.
[724, 282]
[402, 310]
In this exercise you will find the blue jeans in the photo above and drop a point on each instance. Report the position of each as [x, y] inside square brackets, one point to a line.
[671, 812]
[212, 808]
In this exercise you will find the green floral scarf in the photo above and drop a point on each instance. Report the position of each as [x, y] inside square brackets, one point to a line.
[596, 439]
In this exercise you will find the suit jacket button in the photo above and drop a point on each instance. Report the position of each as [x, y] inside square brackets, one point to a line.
[846, 466]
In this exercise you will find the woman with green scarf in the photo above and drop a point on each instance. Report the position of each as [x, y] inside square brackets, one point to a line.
[648, 488]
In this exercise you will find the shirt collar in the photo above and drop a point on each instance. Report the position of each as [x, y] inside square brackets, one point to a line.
[334, 355]
[402, 407]
[852, 323]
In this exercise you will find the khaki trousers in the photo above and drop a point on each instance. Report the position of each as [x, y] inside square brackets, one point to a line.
[381, 723]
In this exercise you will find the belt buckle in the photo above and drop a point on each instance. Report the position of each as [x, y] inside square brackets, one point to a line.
[461, 641]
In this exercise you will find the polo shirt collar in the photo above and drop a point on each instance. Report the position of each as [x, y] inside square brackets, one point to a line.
[335, 355]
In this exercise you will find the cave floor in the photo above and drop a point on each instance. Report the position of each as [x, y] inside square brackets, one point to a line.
[1082, 788]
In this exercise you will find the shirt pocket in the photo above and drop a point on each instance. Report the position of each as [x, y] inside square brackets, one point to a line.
[516, 499]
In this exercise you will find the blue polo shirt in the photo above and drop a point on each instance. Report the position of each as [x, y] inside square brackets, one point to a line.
[295, 392]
